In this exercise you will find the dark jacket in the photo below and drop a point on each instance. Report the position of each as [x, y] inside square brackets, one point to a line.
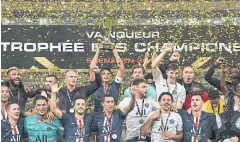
[228, 128]
[205, 127]
[83, 91]
[21, 96]
[7, 131]
[216, 82]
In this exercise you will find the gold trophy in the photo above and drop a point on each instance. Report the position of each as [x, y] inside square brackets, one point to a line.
[105, 43]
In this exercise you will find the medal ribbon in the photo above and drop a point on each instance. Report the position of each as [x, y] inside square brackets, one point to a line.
[214, 110]
[140, 112]
[164, 127]
[69, 99]
[11, 93]
[174, 90]
[107, 124]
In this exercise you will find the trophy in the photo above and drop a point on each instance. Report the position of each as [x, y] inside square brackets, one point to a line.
[105, 43]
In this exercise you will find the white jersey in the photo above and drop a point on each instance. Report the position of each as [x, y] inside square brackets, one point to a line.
[162, 86]
[134, 119]
[173, 124]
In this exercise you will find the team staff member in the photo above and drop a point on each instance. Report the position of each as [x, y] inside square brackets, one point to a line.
[38, 128]
[16, 89]
[233, 75]
[228, 124]
[164, 124]
[231, 97]
[215, 104]
[197, 126]
[109, 123]
[108, 85]
[77, 125]
[12, 127]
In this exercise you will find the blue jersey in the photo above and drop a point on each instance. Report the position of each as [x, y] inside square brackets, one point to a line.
[42, 131]
[109, 129]
[204, 129]
[113, 89]
[76, 129]
[13, 134]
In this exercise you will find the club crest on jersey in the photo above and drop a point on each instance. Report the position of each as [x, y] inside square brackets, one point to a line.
[171, 121]
[49, 128]
[146, 105]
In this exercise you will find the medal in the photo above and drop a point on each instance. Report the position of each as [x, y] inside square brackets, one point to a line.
[199, 137]
[146, 105]
[49, 128]
[171, 121]
[71, 110]
[141, 121]
[114, 136]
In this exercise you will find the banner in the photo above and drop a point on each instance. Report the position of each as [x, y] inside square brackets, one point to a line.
[72, 46]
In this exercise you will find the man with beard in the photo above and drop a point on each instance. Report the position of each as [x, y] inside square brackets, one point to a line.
[68, 93]
[143, 106]
[197, 126]
[138, 71]
[108, 86]
[109, 123]
[4, 100]
[77, 126]
[37, 126]
[170, 84]
[12, 127]
[233, 75]
[163, 124]
[49, 81]
[16, 89]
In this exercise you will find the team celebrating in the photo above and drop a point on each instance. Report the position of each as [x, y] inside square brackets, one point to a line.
[156, 106]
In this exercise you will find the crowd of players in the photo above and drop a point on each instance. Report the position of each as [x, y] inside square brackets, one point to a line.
[159, 108]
